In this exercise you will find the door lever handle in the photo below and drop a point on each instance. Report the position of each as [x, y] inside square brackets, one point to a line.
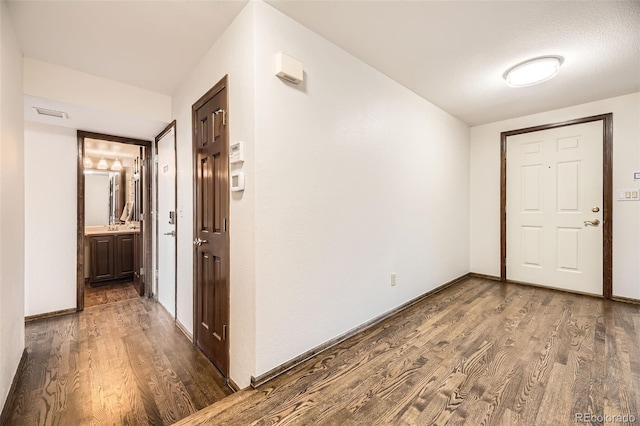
[172, 233]
[594, 222]
[198, 242]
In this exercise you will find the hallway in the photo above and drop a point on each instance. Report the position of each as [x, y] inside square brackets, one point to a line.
[120, 363]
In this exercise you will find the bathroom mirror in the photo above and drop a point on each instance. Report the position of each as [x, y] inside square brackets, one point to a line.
[103, 197]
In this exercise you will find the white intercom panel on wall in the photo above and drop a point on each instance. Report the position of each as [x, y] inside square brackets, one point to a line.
[289, 68]
[237, 181]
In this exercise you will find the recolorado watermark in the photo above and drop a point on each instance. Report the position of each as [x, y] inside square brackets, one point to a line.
[604, 418]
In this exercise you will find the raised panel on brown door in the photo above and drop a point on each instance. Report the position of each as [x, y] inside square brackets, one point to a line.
[211, 292]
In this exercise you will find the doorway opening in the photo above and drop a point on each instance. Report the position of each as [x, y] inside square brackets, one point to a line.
[113, 234]
[565, 196]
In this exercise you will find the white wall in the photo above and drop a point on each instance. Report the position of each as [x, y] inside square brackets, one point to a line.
[232, 54]
[356, 177]
[49, 81]
[51, 218]
[485, 187]
[11, 205]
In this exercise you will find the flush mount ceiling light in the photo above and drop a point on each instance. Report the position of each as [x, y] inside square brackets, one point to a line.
[116, 166]
[102, 164]
[533, 71]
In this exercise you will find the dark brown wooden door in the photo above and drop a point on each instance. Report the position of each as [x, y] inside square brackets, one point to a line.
[211, 237]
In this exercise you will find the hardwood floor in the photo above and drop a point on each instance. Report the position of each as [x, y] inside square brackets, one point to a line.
[109, 293]
[479, 352]
[121, 363]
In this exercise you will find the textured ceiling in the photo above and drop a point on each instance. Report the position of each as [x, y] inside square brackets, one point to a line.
[148, 44]
[92, 120]
[452, 53]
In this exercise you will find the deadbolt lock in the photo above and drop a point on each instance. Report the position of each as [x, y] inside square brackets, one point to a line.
[595, 209]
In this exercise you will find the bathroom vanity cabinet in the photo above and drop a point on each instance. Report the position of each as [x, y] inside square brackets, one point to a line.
[113, 257]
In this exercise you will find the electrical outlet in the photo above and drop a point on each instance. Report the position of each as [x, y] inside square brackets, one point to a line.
[393, 279]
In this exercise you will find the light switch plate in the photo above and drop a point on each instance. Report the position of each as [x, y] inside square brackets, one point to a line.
[636, 175]
[632, 194]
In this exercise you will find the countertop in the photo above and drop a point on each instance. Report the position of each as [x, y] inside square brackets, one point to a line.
[104, 230]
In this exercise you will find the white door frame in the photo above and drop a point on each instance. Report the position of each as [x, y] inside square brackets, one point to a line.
[171, 126]
[607, 193]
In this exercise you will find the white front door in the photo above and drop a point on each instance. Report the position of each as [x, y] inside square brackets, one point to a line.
[555, 207]
[166, 218]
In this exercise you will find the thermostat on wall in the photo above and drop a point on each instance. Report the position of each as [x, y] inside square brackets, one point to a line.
[236, 152]
[237, 181]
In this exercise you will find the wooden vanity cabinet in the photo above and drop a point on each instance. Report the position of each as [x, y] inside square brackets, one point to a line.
[102, 258]
[113, 257]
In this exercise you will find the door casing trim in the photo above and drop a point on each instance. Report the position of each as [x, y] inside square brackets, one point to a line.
[607, 193]
[218, 87]
[80, 260]
[171, 126]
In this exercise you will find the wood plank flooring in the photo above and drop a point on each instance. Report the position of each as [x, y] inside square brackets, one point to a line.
[123, 363]
[109, 293]
[477, 353]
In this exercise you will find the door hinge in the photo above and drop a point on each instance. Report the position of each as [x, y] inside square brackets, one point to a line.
[157, 274]
[224, 332]
[155, 159]
[224, 115]
[224, 224]
[141, 271]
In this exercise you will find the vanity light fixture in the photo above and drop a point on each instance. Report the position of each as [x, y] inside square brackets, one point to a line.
[533, 71]
[88, 163]
[116, 166]
[102, 164]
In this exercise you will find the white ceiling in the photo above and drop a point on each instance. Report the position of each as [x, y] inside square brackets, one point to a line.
[148, 44]
[452, 53]
[92, 120]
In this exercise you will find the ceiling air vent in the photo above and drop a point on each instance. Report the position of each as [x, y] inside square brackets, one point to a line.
[50, 113]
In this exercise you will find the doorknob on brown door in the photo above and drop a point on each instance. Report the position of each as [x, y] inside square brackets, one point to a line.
[594, 222]
[198, 242]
